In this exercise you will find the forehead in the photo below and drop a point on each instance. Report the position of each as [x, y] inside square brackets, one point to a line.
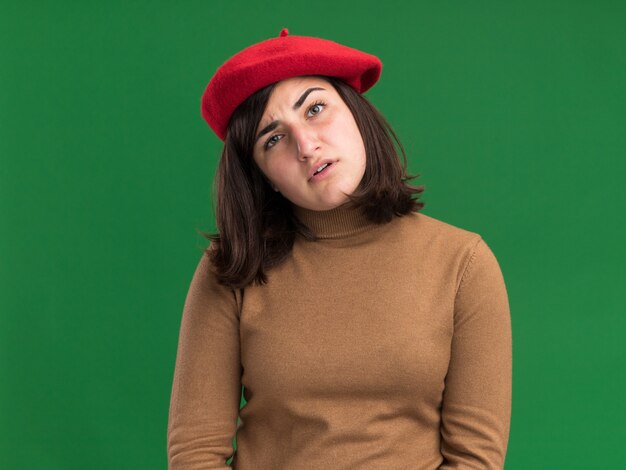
[287, 91]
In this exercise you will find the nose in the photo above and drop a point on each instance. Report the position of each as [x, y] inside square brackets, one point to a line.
[307, 142]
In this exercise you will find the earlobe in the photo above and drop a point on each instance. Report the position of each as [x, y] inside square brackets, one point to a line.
[271, 184]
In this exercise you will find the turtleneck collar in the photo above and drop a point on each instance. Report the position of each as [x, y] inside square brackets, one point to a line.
[342, 221]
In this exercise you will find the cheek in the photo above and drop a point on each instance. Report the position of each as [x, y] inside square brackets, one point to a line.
[356, 146]
[281, 169]
[346, 130]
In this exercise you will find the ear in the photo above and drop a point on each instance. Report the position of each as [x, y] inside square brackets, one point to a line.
[267, 180]
[270, 183]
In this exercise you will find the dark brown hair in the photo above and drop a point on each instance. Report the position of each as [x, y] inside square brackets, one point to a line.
[256, 225]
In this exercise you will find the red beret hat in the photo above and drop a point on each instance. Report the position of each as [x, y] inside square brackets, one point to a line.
[276, 59]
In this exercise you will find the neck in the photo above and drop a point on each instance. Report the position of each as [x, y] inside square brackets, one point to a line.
[339, 222]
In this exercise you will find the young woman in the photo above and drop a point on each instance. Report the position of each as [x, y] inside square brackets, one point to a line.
[365, 334]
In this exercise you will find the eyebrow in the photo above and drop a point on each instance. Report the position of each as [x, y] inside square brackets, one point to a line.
[274, 124]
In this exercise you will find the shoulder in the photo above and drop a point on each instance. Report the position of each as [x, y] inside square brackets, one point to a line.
[443, 245]
[436, 232]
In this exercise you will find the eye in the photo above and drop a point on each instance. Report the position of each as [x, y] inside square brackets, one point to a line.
[269, 143]
[317, 104]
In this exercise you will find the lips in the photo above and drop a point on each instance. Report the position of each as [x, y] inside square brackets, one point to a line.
[315, 166]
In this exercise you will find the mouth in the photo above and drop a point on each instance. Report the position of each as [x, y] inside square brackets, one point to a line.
[326, 168]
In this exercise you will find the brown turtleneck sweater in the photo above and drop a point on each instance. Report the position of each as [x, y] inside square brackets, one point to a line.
[375, 347]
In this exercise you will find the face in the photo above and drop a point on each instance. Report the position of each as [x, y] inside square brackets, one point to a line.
[305, 124]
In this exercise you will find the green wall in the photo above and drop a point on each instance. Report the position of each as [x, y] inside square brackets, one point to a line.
[513, 112]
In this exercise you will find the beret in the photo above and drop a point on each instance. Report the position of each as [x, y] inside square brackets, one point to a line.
[276, 59]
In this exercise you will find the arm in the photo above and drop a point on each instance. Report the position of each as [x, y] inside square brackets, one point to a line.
[476, 408]
[206, 388]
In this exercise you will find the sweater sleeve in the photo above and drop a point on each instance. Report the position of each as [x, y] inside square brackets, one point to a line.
[206, 389]
[476, 407]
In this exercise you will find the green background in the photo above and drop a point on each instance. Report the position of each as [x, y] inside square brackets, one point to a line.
[513, 112]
